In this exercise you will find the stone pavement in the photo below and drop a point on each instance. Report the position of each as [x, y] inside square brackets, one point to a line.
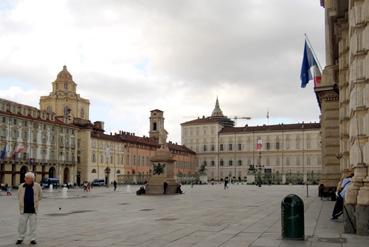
[205, 215]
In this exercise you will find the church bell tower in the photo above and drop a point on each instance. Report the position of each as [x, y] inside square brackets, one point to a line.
[64, 100]
[157, 130]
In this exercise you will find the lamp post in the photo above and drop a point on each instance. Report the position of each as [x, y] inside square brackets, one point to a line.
[259, 167]
[259, 145]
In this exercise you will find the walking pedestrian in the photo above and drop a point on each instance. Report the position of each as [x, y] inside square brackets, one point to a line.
[226, 183]
[341, 193]
[88, 186]
[115, 185]
[29, 196]
[7, 189]
[165, 187]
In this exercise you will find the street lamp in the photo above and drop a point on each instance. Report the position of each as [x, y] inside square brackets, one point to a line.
[259, 168]
[259, 145]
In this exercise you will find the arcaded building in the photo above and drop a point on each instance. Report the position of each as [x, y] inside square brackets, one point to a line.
[344, 100]
[37, 141]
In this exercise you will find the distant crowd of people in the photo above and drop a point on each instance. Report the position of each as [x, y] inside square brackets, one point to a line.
[7, 189]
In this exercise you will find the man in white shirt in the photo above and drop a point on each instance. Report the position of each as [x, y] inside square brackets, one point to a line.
[338, 207]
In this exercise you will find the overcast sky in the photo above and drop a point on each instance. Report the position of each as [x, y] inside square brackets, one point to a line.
[129, 57]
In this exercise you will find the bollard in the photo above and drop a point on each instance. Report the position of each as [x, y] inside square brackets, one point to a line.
[129, 188]
[292, 218]
[64, 192]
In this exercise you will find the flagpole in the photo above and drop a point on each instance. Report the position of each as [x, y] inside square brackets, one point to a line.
[312, 49]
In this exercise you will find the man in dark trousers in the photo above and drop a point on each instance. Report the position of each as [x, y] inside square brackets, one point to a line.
[115, 185]
[29, 195]
[226, 183]
[165, 185]
[338, 207]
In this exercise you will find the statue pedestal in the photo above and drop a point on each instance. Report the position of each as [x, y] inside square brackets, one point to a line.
[250, 179]
[155, 186]
[163, 170]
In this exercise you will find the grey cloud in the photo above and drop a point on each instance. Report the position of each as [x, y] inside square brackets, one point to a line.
[195, 50]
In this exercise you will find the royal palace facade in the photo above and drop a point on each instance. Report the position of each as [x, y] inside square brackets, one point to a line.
[59, 141]
[228, 151]
[344, 102]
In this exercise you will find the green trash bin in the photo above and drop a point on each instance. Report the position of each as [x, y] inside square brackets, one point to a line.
[293, 218]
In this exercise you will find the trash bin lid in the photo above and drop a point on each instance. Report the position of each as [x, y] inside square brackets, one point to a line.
[293, 200]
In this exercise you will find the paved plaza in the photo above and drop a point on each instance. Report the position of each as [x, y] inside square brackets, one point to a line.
[205, 215]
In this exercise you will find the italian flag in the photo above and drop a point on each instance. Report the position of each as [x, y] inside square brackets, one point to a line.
[259, 144]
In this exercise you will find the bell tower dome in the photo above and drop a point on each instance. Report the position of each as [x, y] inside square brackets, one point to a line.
[64, 100]
[157, 130]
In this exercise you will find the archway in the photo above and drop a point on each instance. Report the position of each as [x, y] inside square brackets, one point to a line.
[22, 173]
[52, 172]
[107, 173]
[78, 178]
[66, 175]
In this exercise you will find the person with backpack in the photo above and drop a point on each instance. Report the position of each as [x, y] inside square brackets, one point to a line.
[341, 193]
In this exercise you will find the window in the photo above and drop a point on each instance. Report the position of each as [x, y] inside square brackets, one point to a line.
[221, 163]
[277, 145]
[48, 109]
[25, 135]
[221, 147]
[93, 171]
[204, 163]
[118, 171]
[212, 163]
[93, 157]
[66, 86]
[239, 146]
[205, 149]
[268, 145]
[240, 163]
[2, 132]
[66, 110]
[15, 134]
[308, 142]
[212, 147]
[154, 127]
[298, 142]
[230, 147]
[82, 113]
[230, 163]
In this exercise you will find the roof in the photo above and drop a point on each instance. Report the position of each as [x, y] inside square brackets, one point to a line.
[204, 120]
[30, 117]
[156, 110]
[225, 121]
[139, 140]
[277, 127]
[217, 112]
[64, 75]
